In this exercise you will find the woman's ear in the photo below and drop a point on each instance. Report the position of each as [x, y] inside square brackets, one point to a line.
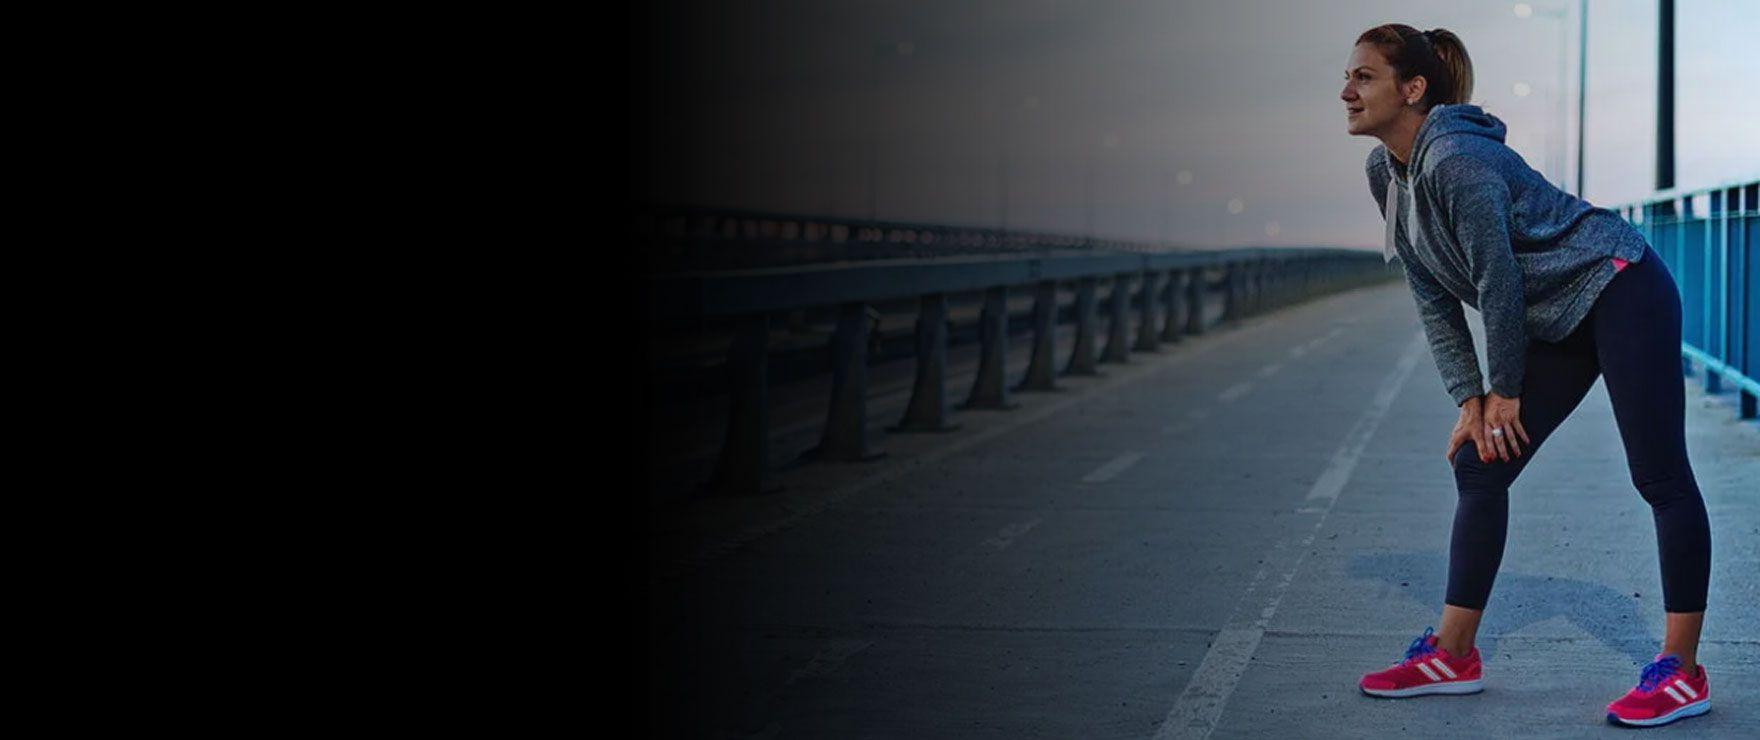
[1413, 92]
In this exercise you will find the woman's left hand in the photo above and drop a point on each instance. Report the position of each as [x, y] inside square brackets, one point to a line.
[1505, 414]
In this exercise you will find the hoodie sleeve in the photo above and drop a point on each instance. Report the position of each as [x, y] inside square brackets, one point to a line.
[1476, 201]
[1445, 325]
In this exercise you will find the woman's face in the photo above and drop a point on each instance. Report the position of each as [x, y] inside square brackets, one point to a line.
[1371, 94]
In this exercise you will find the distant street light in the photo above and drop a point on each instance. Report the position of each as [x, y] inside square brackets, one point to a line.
[1235, 207]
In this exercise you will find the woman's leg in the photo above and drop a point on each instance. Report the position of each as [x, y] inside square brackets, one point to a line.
[1638, 340]
[1557, 377]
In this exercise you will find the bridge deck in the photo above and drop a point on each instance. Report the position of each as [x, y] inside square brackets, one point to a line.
[1214, 539]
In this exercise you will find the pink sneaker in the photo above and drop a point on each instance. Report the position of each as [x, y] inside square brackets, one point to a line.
[1664, 694]
[1426, 669]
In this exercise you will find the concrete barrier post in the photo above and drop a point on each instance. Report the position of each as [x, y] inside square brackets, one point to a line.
[1148, 329]
[745, 452]
[1174, 300]
[989, 389]
[1232, 299]
[1118, 334]
[927, 411]
[1261, 285]
[1042, 369]
[1081, 357]
[1196, 288]
[846, 423]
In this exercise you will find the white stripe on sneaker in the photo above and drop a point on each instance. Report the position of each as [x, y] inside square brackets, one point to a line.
[1684, 687]
[1676, 694]
[1441, 666]
[1428, 672]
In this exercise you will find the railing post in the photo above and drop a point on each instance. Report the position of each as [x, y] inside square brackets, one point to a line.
[1148, 334]
[1748, 240]
[1195, 290]
[846, 422]
[1041, 371]
[1174, 300]
[1232, 299]
[989, 389]
[928, 407]
[1273, 283]
[1081, 358]
[1118, 333]
[745, 452]
[1711, 318]
[1255, 287]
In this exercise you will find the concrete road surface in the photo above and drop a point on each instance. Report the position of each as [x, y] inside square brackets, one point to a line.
[1214, 540]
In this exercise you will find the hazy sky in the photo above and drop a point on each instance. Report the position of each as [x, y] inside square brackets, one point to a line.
[1027, 111]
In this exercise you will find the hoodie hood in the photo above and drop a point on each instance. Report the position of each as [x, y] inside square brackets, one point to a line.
[1445, 120]
[1436, 133]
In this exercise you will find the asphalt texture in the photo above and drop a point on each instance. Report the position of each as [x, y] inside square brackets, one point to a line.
[1216, 539]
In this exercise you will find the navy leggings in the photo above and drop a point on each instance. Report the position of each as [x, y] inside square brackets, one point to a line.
[1632, 337]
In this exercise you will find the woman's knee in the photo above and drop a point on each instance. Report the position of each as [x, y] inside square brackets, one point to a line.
[1667, 489]
[1473, 476]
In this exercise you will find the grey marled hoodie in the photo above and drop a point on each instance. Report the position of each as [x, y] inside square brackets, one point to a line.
[1470, 221]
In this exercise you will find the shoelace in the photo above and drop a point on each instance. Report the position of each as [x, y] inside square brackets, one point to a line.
[1421, 646]
[1656, 671]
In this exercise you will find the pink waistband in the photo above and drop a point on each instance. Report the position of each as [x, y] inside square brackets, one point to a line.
[1619, 264]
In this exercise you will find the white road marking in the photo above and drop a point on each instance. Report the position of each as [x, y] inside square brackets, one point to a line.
[1009, 534]
[1193, 418]
[1114, 467]
[1315, 343]
[1195, 713]
[828, 659]
[1270, 370]
[1235, 391]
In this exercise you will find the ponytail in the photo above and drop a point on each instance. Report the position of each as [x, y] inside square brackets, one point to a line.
[1439, 56]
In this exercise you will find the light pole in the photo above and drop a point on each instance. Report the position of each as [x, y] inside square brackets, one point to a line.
[1524, 10]
[1582, 84]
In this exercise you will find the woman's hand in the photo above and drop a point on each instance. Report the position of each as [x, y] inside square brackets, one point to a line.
[1503, 426]
[1480, 416]
[1471, 426]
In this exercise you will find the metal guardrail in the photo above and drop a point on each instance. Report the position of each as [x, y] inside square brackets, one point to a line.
[1710, 239]
[688, 238]
[1170, 291]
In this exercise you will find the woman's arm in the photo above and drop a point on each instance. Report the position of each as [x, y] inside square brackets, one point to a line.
[1445, 326]
[1475, 200]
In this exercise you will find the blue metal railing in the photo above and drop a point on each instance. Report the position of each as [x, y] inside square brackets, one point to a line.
[1710, 239]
